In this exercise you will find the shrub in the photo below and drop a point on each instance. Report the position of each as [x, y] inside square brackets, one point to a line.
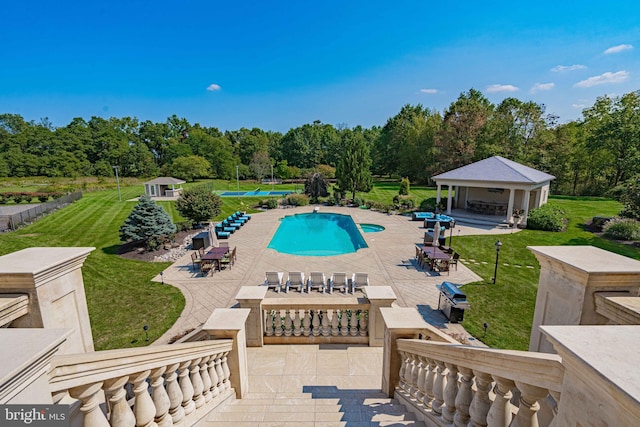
[297, 200]
[183, 226]
[631, 201]
[428, 205]
[272, 203]
[404, 202]
[199, 204]
[28, 197]
[404, 187]
[4, 198]
[43, 197]
[622, 229]
[546, 218]
[17, 197]
[358, 201]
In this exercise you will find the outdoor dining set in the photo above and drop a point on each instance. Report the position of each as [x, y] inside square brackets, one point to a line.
[437, 258]
[214, 259]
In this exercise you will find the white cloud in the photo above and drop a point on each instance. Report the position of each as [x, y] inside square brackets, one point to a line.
[430, 91]
[501, 88]
[542, 86]
[618, 49]
[579, 106]
[608, 77]
[213, 87]
[562, 68]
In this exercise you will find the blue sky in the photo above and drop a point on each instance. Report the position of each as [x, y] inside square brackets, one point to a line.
[280, 64]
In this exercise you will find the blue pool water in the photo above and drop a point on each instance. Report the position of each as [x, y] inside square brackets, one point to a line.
[371, 228]
[317, 234]
[254, 193]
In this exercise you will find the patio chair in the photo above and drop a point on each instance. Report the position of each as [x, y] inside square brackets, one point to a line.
[273, 280]
[428, 238]
[359, 281]
[223, 244]
[296, 280]
[228, 260]
[200, 251]
[316, 280]
[443, 265]
[338, 280]
[195, 261]
[454, 260]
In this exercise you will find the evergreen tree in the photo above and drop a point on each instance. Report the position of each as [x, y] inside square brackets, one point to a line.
[148, 223]
[354, 168]
[316, 186]
[199, 204]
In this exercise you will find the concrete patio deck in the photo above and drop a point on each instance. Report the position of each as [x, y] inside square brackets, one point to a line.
[389, 260]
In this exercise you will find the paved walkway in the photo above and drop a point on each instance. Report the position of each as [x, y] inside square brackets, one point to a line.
[389, 260]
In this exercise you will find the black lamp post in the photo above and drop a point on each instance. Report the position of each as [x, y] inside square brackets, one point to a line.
[495, 272]
[162, 277]
[146, 332]
[485, 325]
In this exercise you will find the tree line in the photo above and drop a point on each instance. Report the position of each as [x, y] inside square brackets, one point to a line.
[588, 156]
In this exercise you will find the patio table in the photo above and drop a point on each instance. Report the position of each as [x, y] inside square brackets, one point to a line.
[434, 254]
[215, 255]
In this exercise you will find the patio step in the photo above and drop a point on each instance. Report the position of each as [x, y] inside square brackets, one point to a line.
[316, 406]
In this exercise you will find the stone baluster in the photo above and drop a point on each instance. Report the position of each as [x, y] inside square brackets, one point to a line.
[353, 324]
[480, 404]
[315, 323]
[120, 414]
[211, 367]
[268, 323]
[174, 392]
[288, 323]
[225, 371]
[415, 368]
[325, 330]
[297, 324]
[344, 321]
[306, 323]
[196, 382]
[90, 396]
[187, 388]
[464, 397]
[438, 388]
[160, 398]
[364, 321]
[402, 381]
[220, 373]
[422, 374]
[143, 408]
[428, 382]
[206, 379]
[277, 323]
[450, 393]
[335, 330]
[527, 415]
[500, 413]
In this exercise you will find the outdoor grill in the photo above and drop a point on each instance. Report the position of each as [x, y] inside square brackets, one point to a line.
[452, 302]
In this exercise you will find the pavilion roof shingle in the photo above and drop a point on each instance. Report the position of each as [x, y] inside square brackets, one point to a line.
[496, 169]
[165, 180]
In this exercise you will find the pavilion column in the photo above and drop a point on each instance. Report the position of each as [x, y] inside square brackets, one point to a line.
[438, 195]
[449, 199]
[512, 193]
[525, 207]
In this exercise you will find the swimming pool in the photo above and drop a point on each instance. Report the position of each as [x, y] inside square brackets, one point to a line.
[317, 234]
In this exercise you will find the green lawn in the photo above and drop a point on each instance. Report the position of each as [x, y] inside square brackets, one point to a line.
[122, 298]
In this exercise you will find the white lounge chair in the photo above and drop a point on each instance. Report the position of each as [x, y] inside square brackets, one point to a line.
[359, 281]
[273, 280]
[316, 280]
[338, 280]
[296, 280]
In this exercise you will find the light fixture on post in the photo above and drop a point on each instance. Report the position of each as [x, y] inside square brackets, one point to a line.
[146, 332]
[162, 277]
[495, 272]
[115, 168]
[271, 177]
[238, 180]
[486, 325]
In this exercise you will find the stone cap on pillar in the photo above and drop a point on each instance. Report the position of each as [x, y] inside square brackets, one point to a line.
[588, 259]
[248, 293]
[402, 318]
[228, 319]
[375, 293]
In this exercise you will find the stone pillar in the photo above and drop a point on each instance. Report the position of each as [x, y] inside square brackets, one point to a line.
[378, 296]
[25, 364]
[251, 297]
[525, 208]
[512, 194]
[449, 199]
[52, 279]
[601, 375]
[569, 278]
[230, 323]
[398, 323]
[438, 195]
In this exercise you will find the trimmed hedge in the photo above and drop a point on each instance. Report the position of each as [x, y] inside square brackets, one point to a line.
[546, 218]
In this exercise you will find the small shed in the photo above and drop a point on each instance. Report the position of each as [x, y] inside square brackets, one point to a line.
[164, 186]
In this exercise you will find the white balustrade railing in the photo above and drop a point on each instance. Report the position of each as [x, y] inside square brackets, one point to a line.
[158, 385]
[302, 322]
[460, 385]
